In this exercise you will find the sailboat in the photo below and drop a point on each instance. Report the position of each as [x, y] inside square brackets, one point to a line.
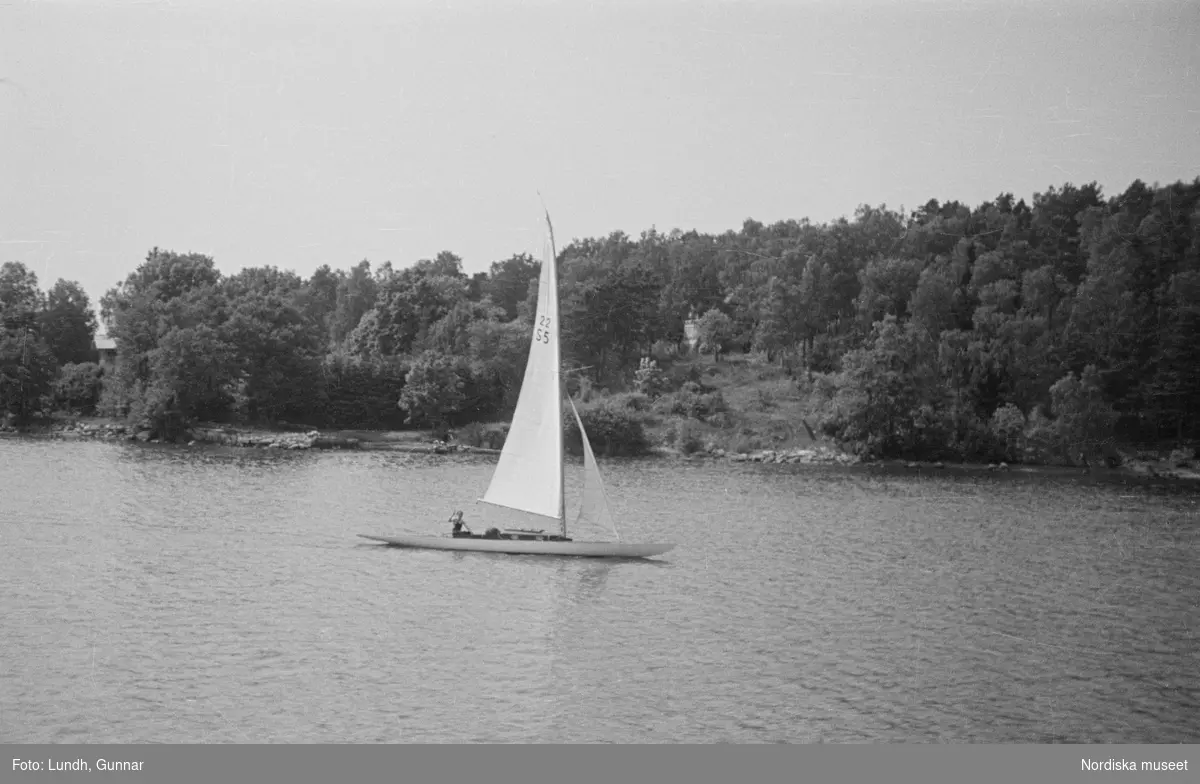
[529, 475]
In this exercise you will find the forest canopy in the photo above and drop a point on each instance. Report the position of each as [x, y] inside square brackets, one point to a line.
[1071, 318]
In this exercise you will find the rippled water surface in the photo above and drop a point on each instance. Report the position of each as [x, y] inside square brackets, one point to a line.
[185, 595]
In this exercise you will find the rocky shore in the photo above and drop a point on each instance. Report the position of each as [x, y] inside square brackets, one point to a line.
[816, 455]
[811, 455]
[225, 435]
[264, 439]
[208, 434]
[1181, 464]
[97, 430]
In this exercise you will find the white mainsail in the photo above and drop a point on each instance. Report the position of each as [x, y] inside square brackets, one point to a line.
[529, 474]
[593, 506]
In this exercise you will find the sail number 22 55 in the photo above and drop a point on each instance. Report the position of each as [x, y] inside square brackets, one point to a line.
[542, 334]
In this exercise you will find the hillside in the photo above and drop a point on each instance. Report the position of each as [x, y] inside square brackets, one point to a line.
[763, 407]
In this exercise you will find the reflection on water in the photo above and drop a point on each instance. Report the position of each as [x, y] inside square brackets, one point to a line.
[197, 595]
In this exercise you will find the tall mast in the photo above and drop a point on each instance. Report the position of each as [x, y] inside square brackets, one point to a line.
[556, 329]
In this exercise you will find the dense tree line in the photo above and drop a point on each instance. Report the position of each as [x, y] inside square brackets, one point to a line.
[46, 350]
[1052, 325]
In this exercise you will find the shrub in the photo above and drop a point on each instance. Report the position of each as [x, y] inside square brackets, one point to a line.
[1008, 427]
[1041, 440]
[634, 401]
[919, 432]
[721, 420]
[822, 388]
[664, 350]
[612, 430]
[692, 400]
[763, 399]
[479, 434]
[668, 436]
[78, 387]
[747, 442]
[649, 378]
[113, 402]
[581, 387]
[779, 431]
[687, 437]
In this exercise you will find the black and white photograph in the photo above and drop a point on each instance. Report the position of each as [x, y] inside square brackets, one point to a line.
[553, 372]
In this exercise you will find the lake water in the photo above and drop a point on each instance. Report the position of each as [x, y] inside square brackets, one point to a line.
[216, 595]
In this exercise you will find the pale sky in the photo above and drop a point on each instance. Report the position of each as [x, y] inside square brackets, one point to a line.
[303, 133]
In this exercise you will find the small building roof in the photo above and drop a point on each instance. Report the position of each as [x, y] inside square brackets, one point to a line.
[105, 343]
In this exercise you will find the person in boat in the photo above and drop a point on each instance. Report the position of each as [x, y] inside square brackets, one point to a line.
[460, 528]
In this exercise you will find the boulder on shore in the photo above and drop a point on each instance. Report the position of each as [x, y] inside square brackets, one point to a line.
[821, 455]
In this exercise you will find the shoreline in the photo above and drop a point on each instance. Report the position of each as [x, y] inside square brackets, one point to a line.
[1132, 468]
[422, 442]
[210, 434]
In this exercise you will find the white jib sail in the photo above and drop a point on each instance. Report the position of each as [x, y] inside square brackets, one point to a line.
[528, 476]
[593, 506]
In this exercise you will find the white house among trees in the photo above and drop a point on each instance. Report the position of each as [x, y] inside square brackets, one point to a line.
[106, 347]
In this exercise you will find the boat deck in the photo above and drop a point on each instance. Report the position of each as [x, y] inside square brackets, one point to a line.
[551, 545]
[518, 535]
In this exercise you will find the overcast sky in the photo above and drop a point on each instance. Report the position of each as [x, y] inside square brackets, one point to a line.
[302, 133]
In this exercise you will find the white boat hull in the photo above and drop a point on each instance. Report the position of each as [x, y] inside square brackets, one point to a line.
[527, 546]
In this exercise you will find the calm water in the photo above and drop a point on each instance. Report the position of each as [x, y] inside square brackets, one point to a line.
[175, 595]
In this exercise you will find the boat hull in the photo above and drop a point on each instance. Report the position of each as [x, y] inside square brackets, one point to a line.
[527, 546]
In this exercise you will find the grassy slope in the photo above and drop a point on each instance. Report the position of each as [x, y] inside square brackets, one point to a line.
[765, 407]
[767, 410]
